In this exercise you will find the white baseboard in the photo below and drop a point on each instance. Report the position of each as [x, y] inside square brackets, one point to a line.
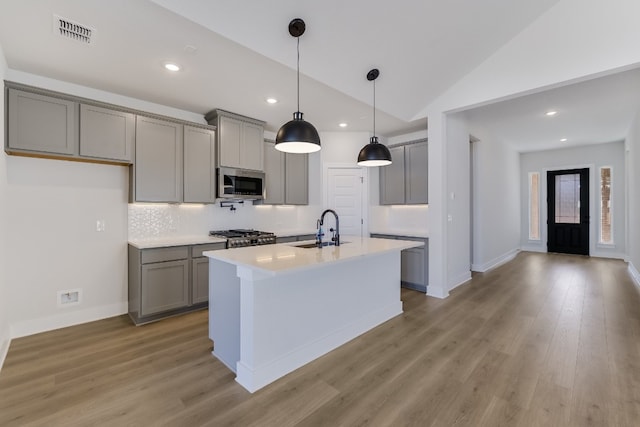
[460, 280]
[68, 318]
[5, 342]
[612, 255]
[531, 248]
[436, 292]
[496, 262]
[635, 274]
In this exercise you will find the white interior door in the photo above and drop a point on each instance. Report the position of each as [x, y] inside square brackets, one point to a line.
[345, 196]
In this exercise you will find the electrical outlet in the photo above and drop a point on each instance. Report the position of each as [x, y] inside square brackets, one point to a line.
[69, 297]
[100, 225]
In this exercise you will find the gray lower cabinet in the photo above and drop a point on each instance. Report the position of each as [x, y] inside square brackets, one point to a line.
[41, 124]
[200, 271]
[405, 181]
[168, 281]
[287, 177]
[200, 275]
[157, 171]
[106, 134]
[164, 286]
[199, 165]
[414, 271]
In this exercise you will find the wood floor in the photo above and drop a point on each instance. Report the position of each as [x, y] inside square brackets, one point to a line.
[546, 340]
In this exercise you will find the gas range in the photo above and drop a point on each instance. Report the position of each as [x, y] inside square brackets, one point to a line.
[241, 238]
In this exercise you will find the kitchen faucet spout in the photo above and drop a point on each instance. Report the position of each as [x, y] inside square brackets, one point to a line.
[336, 236]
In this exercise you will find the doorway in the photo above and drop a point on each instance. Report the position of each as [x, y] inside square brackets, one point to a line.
[568, 211]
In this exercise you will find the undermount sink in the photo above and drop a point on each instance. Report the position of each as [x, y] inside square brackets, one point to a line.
[313, 245]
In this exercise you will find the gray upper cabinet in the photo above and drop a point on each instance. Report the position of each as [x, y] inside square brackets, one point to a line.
[416, 173]
[274, 175]
[296, 186]
[106, 134]
[41, 124]
[199, 165]
[287, 177]
[405, 181]
[392, 181]
[240, 140]
[157, 172]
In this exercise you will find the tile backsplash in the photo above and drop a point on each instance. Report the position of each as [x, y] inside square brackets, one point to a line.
[150, 221]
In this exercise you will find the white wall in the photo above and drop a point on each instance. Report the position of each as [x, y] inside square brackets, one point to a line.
[458, 202]
[633, 200]
[594, 157]
[574, 40]
[5, 333]
[396, 219]
[51, 208]
[496, 210]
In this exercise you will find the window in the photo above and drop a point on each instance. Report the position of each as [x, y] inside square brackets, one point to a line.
[534, 206]
[567, 199]
[606, 235]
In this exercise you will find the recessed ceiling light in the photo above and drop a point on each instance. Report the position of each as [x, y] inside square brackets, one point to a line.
[343, 125]
[551, 113]
[563, 140]
[171, 66]
[272, 101]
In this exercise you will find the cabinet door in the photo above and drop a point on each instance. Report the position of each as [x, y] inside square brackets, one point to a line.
[158, 165]
[416, 173]
[230, 131]
[165, 286]
[296, 185]
[392, 190]
[252, 147]
[199, 165]
[41, 123]
[200, 280]
[412, 266]
[274, 175]
[106, 134]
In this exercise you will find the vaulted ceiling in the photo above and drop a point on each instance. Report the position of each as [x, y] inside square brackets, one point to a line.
[235, 54]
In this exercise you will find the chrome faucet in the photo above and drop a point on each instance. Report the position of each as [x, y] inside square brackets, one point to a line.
[336, 233]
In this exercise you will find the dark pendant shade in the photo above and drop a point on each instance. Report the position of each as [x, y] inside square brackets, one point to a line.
[297, 136]
[374, 154]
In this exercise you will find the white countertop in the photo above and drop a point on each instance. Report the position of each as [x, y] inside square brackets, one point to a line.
[409, 233]
[284, 257]
[162, 242]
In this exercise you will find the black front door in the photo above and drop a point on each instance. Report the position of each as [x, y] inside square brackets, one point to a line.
[568, 211]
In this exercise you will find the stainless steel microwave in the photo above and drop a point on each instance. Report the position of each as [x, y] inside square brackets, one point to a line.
[240, 184]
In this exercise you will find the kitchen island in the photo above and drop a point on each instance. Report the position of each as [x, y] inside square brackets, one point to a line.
[274, 308]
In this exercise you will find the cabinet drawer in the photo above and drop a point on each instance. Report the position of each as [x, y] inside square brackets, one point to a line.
[164, 254]
[196, 251]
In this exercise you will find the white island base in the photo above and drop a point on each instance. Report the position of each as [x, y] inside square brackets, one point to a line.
[267, 322]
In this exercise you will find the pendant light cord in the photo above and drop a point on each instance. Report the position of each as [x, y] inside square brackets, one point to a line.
[298, 62]
[374, 108]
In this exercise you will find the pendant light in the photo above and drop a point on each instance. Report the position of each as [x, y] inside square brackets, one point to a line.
[297, 135]
[374, 153]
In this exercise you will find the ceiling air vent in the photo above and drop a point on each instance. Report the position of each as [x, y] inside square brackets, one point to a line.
[72, 30]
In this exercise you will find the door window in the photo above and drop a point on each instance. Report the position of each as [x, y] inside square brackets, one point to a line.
[567, 199]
